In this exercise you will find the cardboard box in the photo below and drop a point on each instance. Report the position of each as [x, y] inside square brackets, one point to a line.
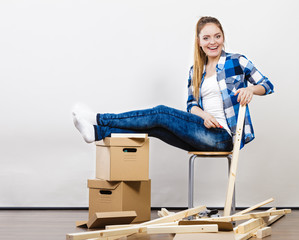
[107, 196]
[122, 159]
[102, 219]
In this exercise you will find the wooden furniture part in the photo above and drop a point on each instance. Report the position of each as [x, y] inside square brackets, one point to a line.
[249, 216]
[205, 236]
[135, 228]
[230, 203]
[164, 212]
[250, 228]
[256, 206]
[264, 232]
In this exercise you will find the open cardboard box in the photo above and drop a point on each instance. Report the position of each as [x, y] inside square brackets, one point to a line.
[123, 158]
[102, 219]
[106, 196]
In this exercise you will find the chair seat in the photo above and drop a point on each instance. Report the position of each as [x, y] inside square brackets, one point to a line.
[211, 153]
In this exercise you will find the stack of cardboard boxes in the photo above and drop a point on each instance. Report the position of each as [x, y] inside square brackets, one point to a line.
[122, 176]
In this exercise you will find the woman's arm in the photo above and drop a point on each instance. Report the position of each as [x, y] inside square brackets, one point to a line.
[209, 120]
[261, 84]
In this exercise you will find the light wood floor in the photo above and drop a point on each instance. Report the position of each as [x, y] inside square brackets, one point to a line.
[55, 224]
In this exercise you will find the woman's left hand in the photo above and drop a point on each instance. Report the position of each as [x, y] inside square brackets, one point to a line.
[245, 95]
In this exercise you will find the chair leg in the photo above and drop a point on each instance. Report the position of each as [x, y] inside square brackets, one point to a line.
[233, 208]
[191, 181]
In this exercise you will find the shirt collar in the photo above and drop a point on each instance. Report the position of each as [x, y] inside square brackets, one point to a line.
[221, 61]
[220, 64]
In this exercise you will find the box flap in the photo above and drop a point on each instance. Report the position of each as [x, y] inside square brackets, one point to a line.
[101, 219]
[82, 224]
[130, 135]
[102, 184]
[121, 142]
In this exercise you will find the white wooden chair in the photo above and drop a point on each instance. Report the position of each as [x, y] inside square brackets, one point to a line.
[230, 203]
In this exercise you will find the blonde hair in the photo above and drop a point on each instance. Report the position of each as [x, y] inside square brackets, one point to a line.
[200, 57]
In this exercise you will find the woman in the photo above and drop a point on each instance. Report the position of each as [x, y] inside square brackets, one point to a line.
[217, 85]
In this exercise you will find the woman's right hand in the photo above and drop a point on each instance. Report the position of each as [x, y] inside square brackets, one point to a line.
[210, 121]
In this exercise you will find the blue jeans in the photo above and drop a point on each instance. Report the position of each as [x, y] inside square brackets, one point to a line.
[177, 128]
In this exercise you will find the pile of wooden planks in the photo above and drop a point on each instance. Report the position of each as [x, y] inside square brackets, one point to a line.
[204, 228]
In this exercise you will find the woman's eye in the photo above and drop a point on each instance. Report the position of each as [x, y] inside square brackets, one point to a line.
[218, 36]
[205, 38]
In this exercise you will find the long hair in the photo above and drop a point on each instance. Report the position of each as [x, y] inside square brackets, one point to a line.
[200, 57]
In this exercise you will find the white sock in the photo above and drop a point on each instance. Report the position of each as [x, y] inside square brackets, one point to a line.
[85, 128]
[83, 112]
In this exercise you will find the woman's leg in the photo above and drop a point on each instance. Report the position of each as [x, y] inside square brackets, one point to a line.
[157, 132]
[178, 127]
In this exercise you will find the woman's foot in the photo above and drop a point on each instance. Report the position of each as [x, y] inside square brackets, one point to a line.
[84, 112]
[85, 128]
[84, 119]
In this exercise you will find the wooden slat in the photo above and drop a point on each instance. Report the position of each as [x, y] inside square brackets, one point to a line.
[205, 236]
[249, 225]
[176, 216]
[264, 232]
[102, 233]
[139, 227]
[234, 161]
[249, 234]
[249, 216]
[273, 219]
[255, 206]
[213, 228]
[135, 225]
[222, 226]
[253, 232]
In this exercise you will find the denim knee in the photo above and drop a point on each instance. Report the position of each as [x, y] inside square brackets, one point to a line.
[160, 108]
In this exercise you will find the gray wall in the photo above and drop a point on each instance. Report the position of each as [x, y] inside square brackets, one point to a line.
[117, 56]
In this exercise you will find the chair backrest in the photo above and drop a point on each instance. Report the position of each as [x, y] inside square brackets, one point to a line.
[234, 161]
[239, 129]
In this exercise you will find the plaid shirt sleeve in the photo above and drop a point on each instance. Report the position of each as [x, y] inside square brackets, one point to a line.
[254, 76]
[191, 101]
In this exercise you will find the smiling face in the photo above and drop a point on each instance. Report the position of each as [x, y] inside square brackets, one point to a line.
[211, 40]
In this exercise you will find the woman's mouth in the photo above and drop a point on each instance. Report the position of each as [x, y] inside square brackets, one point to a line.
[212, 48]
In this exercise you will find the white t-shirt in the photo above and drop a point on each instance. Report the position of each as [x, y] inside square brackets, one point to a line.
[212, 100]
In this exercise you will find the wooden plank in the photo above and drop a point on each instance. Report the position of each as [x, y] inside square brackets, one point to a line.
[255, 206]
[249, 216]
[144, 229]
[122, 237]
[264, 232]
[273, 219]
[253, 232]
[122, 231]
[120, 226]
[176, 216]
[166, 212]
[130, 230]
[234, 161]
[102, 233]
[249, 234]
[160, 214]
[131, 225]
[213, 228]
[222, 226]
[249, 225]
[205, 236]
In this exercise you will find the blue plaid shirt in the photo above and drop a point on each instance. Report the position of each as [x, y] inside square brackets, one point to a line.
[233, 72]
